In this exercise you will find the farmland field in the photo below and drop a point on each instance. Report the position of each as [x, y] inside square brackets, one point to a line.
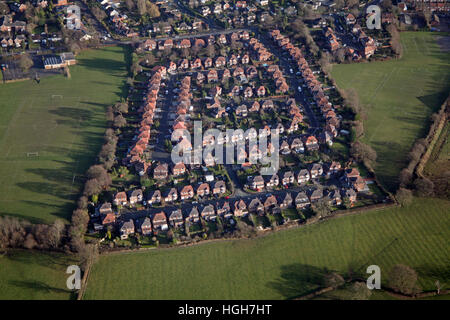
[50, 133]
[287, 263]
[399, 96]
[34, 275]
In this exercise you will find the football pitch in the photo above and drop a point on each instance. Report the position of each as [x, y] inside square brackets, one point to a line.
[399, 97]
[51, 132]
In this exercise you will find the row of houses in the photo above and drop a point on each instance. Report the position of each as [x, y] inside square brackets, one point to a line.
[313, 171]
[269, 204]
[332, 121]
[199, 42]
[135, 155]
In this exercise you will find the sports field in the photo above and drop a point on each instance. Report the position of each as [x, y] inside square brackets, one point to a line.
[287, 263]
[51, 132]
[34, 275]
[399, 96]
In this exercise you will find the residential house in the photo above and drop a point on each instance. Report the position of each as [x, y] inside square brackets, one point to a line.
[208, 212]
[194, 215]
[144, 226]
[256, 206]
[108, 219]
[257, 183]
[154, 197]
[311, 143]
[126, 229]
[160, 221]
[261, 91]
[136, 196]
[315, 195]
[170, 195]
[273, 181]
[120, 199]
[302, 200]
[161, 171]
[303, 176]
[176, 218]
[241, 111]
[287, 178]
[179, 169]
[315, 170]
[224, 209]
[187, 192]
[286, 201]
[335, 198]
[203, 190]
[297, 145]
[212, 76]
[220, 62]
[240, 208]
[220, 187]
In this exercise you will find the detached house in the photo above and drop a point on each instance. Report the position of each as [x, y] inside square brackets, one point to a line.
[220, 62]
[203, 190]
[273, 181]
[286, 201]
[256, 206]
[220, 187]
[144, 226]
[170, 195]
[187, 192]
[176, 218]
[108, 219]
[315, 170]
[136, 196]
[287, 178]
[261, 91]
[301, 200]
[194, 215]
[240, 208]
[257, 183]
[179, 169]
[126, 229]
[160, 221]
[154, 197]
[120, 199]
[208, 212]
[303, 176]
[315, 195]
[311, 143]
[161, 171]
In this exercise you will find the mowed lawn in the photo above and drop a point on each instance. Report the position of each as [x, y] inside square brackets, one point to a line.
[287, 263]
[51, 132]
[34, 275]
[399, 96]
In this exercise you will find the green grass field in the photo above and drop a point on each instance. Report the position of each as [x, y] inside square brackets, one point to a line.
[399, 96]
[63, 121]
[34, 275]
[287, 263]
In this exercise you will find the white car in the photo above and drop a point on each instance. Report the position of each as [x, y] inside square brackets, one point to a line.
[299, 89]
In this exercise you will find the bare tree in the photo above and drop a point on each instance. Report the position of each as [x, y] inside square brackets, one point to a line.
[403, 279]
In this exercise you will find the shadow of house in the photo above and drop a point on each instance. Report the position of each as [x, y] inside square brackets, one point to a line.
[298, 279]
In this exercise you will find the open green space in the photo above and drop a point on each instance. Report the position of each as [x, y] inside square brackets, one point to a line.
[284, 264]
[399, 96]
[51, 132]
[34, 275]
